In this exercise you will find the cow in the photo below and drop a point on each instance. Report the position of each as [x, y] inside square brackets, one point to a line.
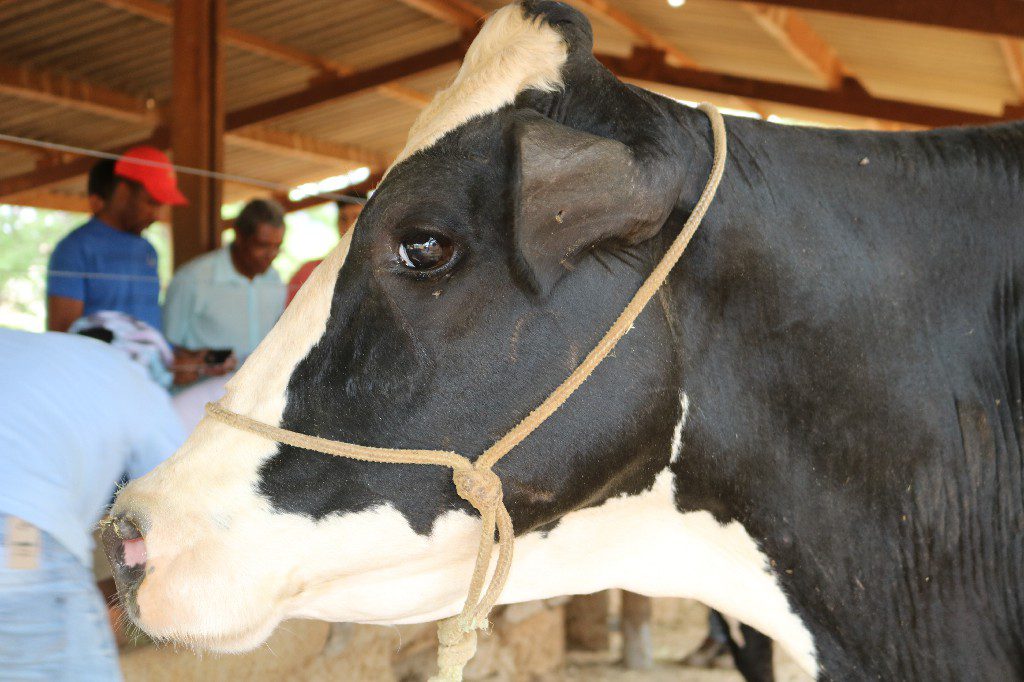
[815, 427]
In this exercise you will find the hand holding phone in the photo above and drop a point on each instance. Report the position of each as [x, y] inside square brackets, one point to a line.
[217, 356]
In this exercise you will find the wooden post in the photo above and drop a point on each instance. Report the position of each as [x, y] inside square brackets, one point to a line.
[197, 122]
[637, 645]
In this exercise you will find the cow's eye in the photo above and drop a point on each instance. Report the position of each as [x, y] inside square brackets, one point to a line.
[425, 251]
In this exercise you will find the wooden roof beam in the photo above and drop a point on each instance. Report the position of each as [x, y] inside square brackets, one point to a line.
[55, 174]
[650, 38]
[163, 14]
[255, 44]
[83, 96]
[999, 17]
[296, 145]
[42, 155]
[403, 93]
[850, 98]
[1013, 55]
[50, 200]
[461, 13]
[327, 90]
[800, 40]
[54, 88]
[316, 94]
[358, 190]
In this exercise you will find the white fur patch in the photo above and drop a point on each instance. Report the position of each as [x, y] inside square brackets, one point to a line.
[644, 544]
[677, 432]
[258, 388]
[641, 543]
[511, 54]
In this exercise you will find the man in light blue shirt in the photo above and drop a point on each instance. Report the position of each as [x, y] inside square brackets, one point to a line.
[76, 414]
[230, 298]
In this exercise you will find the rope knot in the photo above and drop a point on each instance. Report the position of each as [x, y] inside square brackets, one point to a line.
[457, 645]
[480, 487]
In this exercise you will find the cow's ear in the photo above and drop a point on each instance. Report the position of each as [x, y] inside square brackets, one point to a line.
[574, 190]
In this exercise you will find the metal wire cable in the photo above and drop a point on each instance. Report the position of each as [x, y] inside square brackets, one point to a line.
[38, 267]
[187, 170]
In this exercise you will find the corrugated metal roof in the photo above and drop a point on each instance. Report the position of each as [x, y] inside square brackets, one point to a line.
[359, 33]
[942, 67]
[94, 42]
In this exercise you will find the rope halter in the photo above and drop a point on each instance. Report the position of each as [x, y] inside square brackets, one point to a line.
[475, 482]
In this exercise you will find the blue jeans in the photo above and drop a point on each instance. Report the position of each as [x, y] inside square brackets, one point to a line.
[53, 622]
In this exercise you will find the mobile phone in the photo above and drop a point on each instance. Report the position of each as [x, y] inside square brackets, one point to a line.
[217, 356]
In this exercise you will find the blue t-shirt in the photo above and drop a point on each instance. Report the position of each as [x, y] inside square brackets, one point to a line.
[107, 269]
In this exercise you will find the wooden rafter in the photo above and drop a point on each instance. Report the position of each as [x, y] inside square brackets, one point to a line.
[42, 154]
[403, 93]
[296, 145]
[645, 35]
[163, 14]
[1013, 55]
[850, 98]
[327, 90]
[358, 190]
[54, 88]
[254, 44]
[655, 41]
[800, 40]
[461, 13]
[83, 96]
[1000, 17]
[50, 200]
[316, 94]
[57, 173]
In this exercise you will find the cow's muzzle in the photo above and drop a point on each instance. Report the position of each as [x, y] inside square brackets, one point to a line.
[126, 550]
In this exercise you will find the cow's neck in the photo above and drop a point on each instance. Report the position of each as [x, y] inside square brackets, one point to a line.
[821, 307]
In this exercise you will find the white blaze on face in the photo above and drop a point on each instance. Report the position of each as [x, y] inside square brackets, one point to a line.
[511, 54]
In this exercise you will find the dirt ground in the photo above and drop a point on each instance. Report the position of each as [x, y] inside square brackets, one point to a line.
[678, 629]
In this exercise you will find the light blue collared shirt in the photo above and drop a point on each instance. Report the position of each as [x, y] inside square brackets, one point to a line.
[75, 414]
[211, 305]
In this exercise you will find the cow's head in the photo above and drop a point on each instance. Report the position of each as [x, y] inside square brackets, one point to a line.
[526, 209]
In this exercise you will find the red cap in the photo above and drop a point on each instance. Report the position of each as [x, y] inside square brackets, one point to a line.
[151, 168]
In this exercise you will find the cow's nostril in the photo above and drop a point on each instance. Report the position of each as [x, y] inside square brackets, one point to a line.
[134, 552]
[126, 550]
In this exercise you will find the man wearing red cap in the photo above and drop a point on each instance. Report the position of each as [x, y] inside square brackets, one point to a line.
[106, 264]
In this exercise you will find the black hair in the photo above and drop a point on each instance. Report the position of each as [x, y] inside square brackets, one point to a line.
[257, 212]
[102, 180]
[100, 333]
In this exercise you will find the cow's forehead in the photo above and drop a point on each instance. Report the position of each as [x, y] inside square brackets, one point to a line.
[515, 51]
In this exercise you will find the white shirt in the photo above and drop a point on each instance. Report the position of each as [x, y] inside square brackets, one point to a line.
[209, 304]
[75, 414]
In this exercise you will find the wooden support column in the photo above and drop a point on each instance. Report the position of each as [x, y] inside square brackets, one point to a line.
[196, 116]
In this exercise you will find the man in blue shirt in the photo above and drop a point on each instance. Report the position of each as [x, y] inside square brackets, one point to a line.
[230, 298]
[106, 264]
[77, 413]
